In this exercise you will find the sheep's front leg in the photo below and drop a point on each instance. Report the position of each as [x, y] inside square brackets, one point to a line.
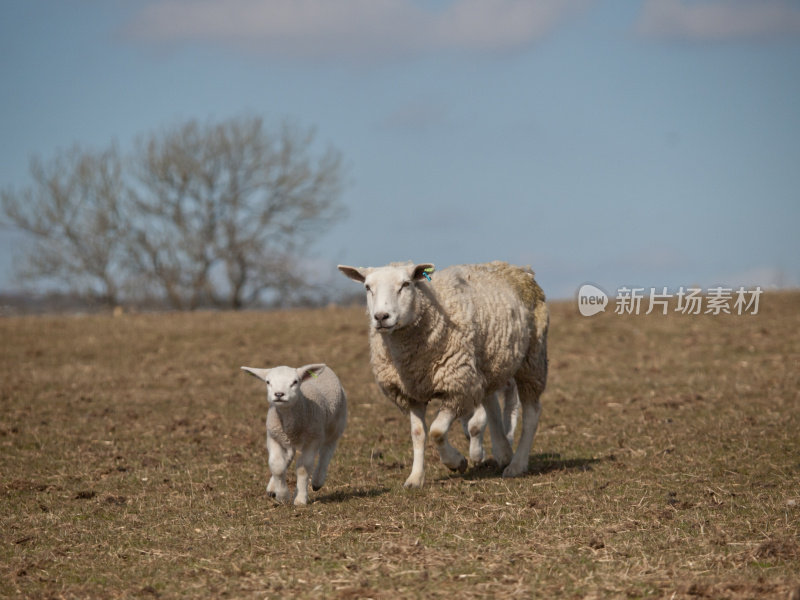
[419, 435]
[451, 457]
[305, 464]
[279, 460]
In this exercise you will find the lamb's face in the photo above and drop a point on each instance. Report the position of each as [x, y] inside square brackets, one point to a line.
[283, 383]
[283, 386]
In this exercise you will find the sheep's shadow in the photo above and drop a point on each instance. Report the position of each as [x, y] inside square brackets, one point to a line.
[538, 464]
[343, 495]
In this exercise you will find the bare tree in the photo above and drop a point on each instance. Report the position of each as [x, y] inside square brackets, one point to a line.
[224, 210]
[73, 211]
[202, 214]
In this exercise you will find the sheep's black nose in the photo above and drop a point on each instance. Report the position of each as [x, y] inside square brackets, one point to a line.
[379, 317]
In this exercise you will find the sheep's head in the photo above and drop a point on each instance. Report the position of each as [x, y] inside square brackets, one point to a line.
[391, 292]
[283, 383]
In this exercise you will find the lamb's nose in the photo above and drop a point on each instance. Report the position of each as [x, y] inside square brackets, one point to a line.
[279, 394]
[380, 317]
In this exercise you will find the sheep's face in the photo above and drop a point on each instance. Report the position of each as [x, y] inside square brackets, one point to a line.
[390, 292]
[283, 383]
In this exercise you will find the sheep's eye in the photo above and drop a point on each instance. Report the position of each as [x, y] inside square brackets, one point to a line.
[366, 287]
[294, 382]
[405, 284]
[267, 381]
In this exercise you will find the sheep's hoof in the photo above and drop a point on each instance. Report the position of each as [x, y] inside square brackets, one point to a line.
[476, 458]
[461, 468]
[500, 465]
[271, 494]
[513, 471]
[489, 464]
[316, 488]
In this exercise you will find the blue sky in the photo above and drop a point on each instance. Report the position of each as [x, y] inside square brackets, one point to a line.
[648, 143]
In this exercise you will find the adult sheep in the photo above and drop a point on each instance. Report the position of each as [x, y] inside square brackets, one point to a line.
[458, 337]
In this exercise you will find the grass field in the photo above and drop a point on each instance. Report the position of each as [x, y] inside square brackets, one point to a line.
[132, 464]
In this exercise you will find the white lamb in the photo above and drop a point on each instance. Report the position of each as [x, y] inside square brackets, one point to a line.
[459, 337]
[307, 415]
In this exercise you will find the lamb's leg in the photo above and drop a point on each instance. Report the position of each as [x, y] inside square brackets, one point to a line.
[451, 457]
[419, 435]
[279, 460]
[531, 409]
[321, 472]
[305, 464]
[475, 427]
[501, 449]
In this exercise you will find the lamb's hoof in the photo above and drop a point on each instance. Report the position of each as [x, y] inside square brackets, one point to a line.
[271, 494]
[413, 482]
[513, 471]
[316, 488]
[299, 502]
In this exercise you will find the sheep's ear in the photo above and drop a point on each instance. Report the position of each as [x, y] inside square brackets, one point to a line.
[422, 270]
[355, 273]
[262, 374]
[313, 370]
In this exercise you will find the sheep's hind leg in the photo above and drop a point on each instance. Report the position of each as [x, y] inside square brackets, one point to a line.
[419, 435]
[531, 409]
[451, 457]
[511, 409]
[501, 449]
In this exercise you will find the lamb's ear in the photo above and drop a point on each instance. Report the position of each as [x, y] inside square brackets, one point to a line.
[420, 271]
[355, 273]
[262, 374]
[313, 370]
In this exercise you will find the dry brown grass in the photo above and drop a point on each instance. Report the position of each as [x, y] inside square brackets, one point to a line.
[133, 464]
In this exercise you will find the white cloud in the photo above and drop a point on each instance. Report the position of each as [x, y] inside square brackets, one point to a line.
[365, 29]
[718, 19]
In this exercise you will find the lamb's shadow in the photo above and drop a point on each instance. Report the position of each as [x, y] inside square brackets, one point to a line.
[538, 464]
[350, 494]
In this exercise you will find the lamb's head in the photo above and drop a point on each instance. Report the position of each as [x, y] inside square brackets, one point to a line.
[391, 292]
[283, 383]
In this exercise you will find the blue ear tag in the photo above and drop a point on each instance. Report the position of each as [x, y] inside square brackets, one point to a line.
[426, 273]
[428, 277]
